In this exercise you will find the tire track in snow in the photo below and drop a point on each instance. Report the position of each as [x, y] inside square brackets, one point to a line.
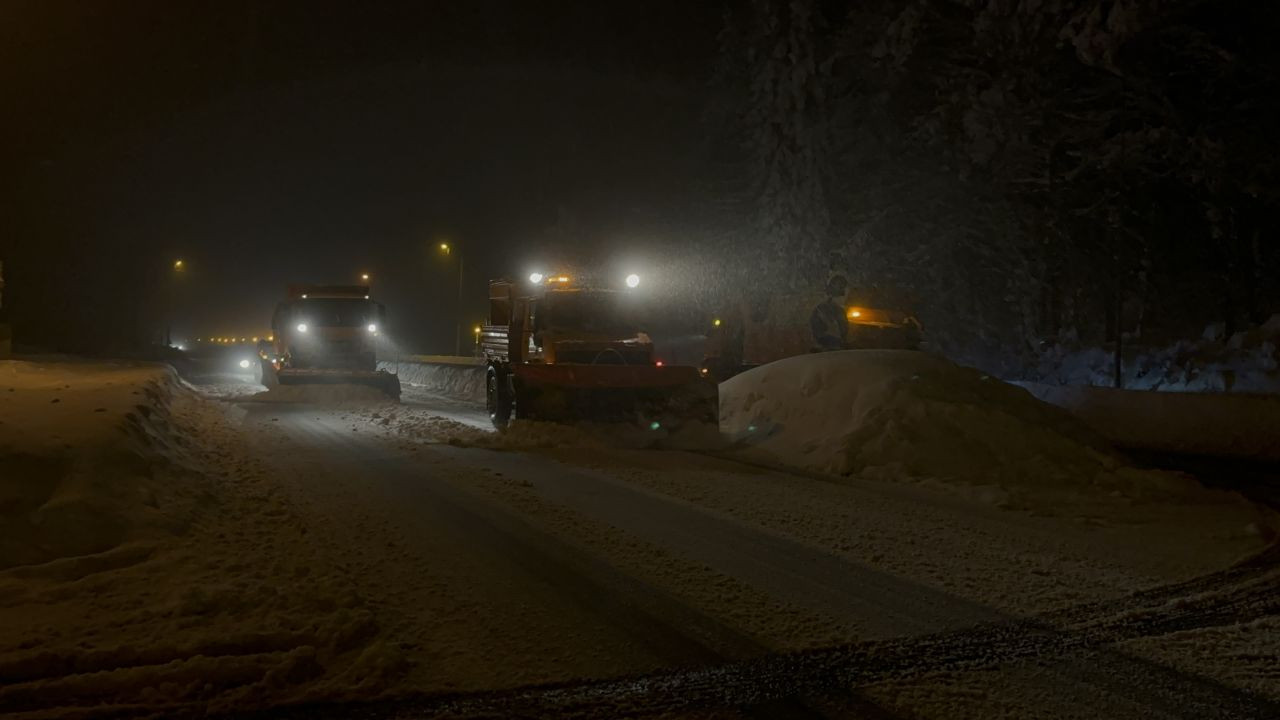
[1080, 648]
[584, 581]
[1083, 649]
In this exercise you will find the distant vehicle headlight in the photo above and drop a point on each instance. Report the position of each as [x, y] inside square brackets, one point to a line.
[633, 280]
[302, 327]
[373, 327]
[244, 364]
[535, 278]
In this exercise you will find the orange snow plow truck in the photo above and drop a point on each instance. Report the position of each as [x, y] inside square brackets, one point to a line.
[556, 349]
[327, 334]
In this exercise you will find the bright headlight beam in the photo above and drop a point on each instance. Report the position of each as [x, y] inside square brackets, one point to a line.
[373, 327]
[633, 280]
[302, 327]
[244, 364]
[535, 278]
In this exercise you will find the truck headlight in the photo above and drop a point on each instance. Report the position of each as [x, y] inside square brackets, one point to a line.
[633, 280]
[373, 327]
[302, 327]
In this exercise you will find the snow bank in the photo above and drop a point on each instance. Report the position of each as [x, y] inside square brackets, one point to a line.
[907, 415]
[85, 453]
[1246, 362]
[1219, 424]
[149, 564]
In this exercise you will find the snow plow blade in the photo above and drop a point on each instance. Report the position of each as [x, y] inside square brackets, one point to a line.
[384, 381]
[615, 393]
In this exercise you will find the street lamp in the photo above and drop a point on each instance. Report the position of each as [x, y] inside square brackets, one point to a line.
[178, 267]
[364, 277]
[447, 249]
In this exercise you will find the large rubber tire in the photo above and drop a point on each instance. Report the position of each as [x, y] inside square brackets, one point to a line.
[497, 397]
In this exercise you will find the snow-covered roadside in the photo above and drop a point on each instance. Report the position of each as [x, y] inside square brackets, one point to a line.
[147, 561]
[1014, 562]
[962, 482]
[1215, 424]
[910, 417]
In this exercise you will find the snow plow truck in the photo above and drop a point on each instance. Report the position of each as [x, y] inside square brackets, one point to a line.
[562, 350]
[327, 334]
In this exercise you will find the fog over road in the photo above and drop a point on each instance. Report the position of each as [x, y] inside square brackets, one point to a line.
[516, 567]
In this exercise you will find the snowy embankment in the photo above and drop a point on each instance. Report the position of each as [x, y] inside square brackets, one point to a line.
[147, 561]
[75, 446]
[460, 378]
[907, 416]
[1218, 424]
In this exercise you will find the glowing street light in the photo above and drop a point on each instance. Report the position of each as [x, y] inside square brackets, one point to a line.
[364, 277]
[447, 249]
[179, 265]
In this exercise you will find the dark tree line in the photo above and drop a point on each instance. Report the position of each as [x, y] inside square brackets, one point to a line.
[1028, 171]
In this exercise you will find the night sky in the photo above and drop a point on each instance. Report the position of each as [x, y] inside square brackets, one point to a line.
[268, 143]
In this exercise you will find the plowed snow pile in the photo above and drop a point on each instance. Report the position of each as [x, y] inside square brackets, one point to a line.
[147, 563]
[74, 477]
[907, 415]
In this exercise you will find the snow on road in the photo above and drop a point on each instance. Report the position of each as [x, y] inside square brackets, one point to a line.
[363, 549]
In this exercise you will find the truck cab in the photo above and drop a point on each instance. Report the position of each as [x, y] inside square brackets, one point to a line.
[328, 327]
[563, 350]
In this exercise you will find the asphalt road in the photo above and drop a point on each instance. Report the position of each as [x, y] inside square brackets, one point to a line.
[529, 548]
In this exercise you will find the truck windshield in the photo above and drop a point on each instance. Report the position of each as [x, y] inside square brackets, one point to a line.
[335, 312]
[607, 313]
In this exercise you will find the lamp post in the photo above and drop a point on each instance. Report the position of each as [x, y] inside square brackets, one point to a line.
[179, 267]
[447, 249]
